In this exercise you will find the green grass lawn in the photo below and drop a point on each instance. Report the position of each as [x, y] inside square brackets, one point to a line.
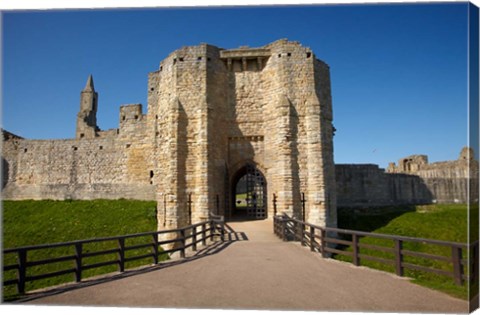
[440, 222]
[42, 222]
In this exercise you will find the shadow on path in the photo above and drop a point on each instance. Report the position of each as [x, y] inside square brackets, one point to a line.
[231, 235]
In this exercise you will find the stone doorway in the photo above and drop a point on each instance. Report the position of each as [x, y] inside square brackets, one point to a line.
[249, 194]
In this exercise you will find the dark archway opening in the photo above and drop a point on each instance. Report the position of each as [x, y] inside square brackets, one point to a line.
[249, 194]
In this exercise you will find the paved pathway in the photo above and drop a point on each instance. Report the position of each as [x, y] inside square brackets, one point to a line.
[255, 270]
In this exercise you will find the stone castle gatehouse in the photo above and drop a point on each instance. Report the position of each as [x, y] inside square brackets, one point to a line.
[221, 125]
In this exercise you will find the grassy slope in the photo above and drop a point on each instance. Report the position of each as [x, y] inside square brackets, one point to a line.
[41, 222]
[441, 222]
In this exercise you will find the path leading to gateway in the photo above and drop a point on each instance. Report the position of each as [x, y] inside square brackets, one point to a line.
[255, 270]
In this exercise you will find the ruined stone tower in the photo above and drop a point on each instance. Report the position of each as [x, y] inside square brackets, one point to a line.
[87, 117]
[216, 119]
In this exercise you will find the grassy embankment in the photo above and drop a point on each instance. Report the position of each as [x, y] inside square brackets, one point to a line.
[440, 222]
[42, 222]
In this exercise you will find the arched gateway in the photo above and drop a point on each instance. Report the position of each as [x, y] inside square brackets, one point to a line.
[248, 194]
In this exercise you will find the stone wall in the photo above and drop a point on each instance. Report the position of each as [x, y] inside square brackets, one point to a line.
[367, 185]
[413, 181]
[71, 169]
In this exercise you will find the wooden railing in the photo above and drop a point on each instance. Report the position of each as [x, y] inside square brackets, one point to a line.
[463, 260]
[185, 238]
[219, 222]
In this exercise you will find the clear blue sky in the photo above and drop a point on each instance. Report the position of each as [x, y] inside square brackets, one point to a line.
[399, 72]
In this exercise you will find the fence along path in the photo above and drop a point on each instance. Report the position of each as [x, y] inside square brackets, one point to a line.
[463, 259]
[254, 269]
[188, 237]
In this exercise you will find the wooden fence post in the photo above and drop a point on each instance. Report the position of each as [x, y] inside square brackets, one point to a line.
[457, 265]
[222, 231]
[356, 259]
[274, 205]
[182, 237]
[274, 225]
[204, 234]
[312, 238]
[78, 262]
[303, 206]
[189, 202]
[323, 244]
[280, 228]
[121, 254]
[474, 265]
[22, 271]
[155, 248]
[294, 231]
[194, 238]
[398, 257]
[284, 229]
[302, 236]
[212, 230]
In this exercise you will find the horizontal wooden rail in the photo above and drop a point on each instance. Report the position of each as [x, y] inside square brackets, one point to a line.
[325, 240]
[49, 261]
[376, 247]
[376, 259]
[187, 237]
[11, 282]
[50, 274]
[11, 267]
[100, 264]
[428, 269]
[337, 241]
[100, 253]
[138, 257]
[337, 251]
[132, 247]
[427, 256]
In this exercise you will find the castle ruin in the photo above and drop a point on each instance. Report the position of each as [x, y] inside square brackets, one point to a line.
[412, 181]
[214, 117]
[218, 119]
